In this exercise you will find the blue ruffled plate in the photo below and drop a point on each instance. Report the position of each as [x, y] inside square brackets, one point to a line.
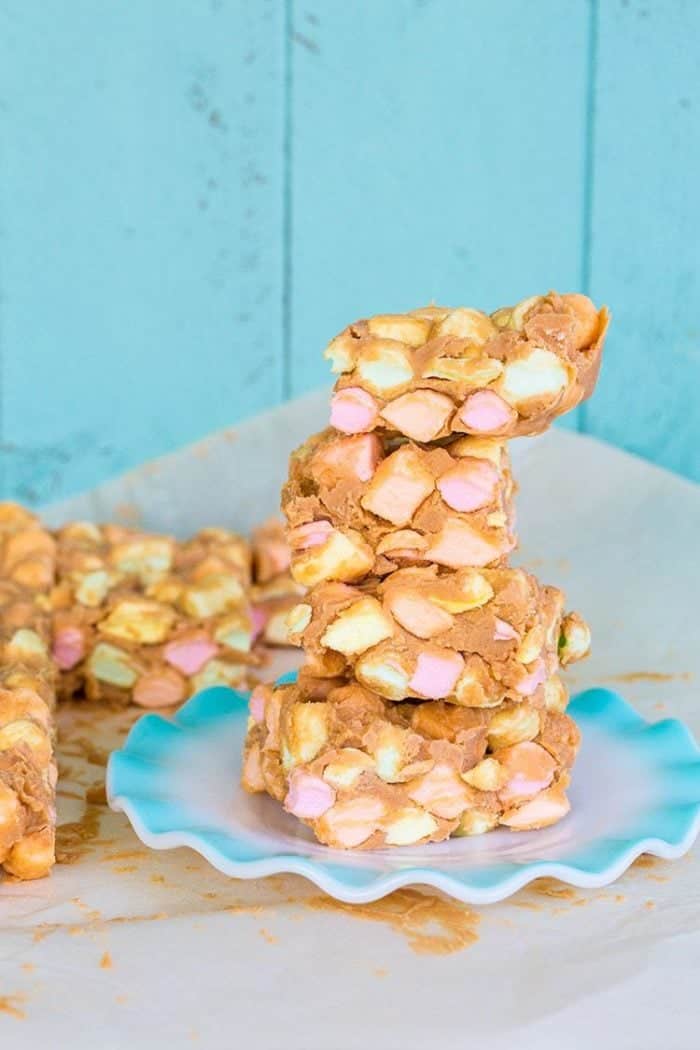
[635, 789]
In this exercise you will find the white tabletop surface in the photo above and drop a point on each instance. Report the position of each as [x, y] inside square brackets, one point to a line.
[123, 947]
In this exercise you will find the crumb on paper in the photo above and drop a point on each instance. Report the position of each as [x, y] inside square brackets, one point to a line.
[649, 904]
[106, 962]
[380, 972]
[77, 837]
[648, 861]
[93, 925]
[12, 1006]
[28, 967]
[91, 914]
[244, 909]
[96, 794]
[645, 860]
[650, 676]
[432, 925]
[90, 751]
[547, 887]
[268, 937]
[125, 854]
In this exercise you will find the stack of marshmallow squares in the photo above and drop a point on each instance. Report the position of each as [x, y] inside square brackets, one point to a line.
[429, 702]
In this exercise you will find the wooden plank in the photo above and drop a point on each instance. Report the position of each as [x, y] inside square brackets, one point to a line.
[141, 207]
[438, 152]
[646, 229]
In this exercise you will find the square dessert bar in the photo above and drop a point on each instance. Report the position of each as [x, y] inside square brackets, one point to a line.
[365, 773]
[366, 504]
[27, 696]
[116, 614]
[437, 372]
[474, 637]
[142, 617]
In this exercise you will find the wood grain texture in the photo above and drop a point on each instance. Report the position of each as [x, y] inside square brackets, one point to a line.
[438, 151]
[646, 229]
[140, 214]
[195, 197]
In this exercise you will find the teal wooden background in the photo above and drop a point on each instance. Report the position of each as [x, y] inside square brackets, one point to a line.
[196, 194]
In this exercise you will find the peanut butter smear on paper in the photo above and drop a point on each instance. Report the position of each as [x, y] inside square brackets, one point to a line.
[432, 925]
[649, 676]
[10, 1004]
[75, 839]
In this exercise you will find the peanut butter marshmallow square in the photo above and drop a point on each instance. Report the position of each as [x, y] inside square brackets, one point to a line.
[363, 504]
[364, 773]
[438, 371]
[27, 694]
[473, 637]
[142, 617]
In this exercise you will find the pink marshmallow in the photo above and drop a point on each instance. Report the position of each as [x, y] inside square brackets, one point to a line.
[159, 689]
[420, 414]
[441, 791]
[278, 556]
[418, 615]
[358, 455]
[353, 410]
[546, 808]
[399, 488]
[68, 647]
[459, 545]
[505, 632]
[258, 619]
[314, 534]
[469, 485]
[484, 412]
[308, 796]
[365, 457]
[436, 673]
[530, 768]
[256, 705]
[189, 655]
[528, 685]
[351, 823]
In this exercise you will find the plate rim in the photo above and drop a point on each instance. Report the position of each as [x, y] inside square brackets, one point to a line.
[612, 709]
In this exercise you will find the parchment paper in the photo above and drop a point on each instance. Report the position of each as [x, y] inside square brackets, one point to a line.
[126, 947]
